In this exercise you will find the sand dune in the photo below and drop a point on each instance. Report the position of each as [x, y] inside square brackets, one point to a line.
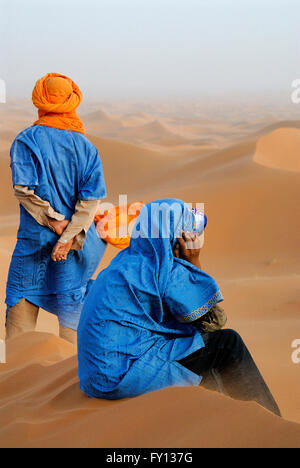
[100, 123]
[98, 116]
[52, 412]
[8, 204]
[15, 119]
[280, 149]
[136, 119]
[144, 133]
[265, 310]
[146, 129]
[252, 249]
[152, 132]
[253, 218]
[278, 125]
[131, 169]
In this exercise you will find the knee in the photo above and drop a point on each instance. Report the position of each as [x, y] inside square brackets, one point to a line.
[233, 338]
[232, 334]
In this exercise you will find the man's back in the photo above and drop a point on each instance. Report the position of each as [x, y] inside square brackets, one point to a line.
[56, 164]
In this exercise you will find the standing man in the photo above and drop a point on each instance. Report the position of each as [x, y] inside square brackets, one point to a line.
[58, 180]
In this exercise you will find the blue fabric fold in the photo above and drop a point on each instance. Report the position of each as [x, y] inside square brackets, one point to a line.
[62, 167]
[131, 332]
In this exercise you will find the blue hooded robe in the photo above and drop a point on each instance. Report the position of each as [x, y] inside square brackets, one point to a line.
[62, 167]
[134, 325]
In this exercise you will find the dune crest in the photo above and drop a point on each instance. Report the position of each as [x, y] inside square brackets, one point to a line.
[280, 149]
[41, 405]
[255, 259]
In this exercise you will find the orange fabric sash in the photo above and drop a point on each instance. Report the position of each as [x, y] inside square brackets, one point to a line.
[57, 97]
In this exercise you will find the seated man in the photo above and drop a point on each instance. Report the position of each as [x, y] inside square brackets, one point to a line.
[152, 319]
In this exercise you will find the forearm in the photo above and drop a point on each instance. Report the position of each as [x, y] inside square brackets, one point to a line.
[80, 223]
[39, 209]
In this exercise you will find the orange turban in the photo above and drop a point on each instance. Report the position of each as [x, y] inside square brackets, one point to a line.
[57, 97]
[115, 220]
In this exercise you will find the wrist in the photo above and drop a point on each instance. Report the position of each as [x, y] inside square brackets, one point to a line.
[196, 263]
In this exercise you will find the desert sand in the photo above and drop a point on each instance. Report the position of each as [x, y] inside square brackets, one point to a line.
[280, 150]
[246, 171]
[42, 406]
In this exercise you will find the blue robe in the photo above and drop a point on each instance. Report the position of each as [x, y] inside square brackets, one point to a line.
[62, 167]
[135, 327]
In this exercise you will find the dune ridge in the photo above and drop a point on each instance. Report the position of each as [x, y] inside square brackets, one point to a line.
[280, 149]
[53, 412]
[251, 248]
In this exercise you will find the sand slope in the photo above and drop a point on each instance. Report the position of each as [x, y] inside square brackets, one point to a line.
[8, 204]
[280, 149]
[252, 249]
[132, 170]
[152, 132]
[52, 412]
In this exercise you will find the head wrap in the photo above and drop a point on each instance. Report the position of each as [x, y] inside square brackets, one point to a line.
[114, 225]
[57, 98]
[187, 292]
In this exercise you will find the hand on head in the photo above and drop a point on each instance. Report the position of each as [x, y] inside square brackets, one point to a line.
[188, 248]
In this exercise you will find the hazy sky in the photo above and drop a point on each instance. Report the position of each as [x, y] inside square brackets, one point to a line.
[144, 48]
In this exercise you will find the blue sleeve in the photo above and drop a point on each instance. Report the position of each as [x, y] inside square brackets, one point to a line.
[93, 184]
[190, 292]
[23, 165]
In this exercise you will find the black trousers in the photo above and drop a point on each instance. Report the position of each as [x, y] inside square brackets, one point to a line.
[227, 366]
